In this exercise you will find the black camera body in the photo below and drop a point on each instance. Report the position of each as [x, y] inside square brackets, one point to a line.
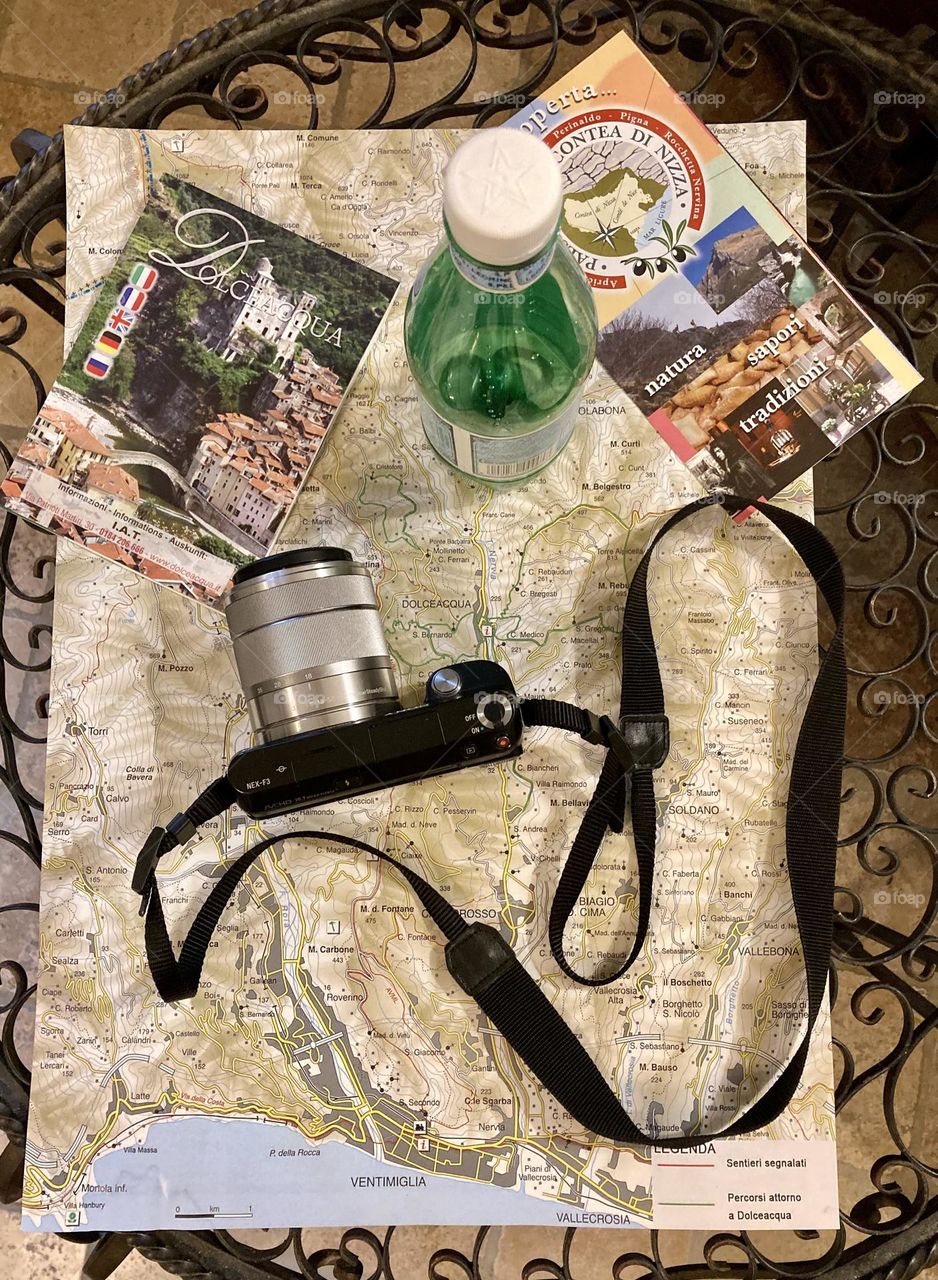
[469, 716]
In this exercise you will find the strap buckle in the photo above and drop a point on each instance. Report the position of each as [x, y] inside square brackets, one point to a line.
[181, 828]
[637, 742]
[178, 831]
[477, 957]
[147, 859]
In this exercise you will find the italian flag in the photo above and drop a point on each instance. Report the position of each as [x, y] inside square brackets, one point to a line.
[143, 276]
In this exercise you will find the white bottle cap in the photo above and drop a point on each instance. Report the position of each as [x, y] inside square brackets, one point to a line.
[502, 194]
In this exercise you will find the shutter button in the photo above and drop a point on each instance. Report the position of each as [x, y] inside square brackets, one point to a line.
[446, 682]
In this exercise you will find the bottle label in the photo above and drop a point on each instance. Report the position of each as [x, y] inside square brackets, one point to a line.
[421, 276]
[502, 279]
[498, 457]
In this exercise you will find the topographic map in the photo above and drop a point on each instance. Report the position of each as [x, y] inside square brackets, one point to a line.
[328, 1070]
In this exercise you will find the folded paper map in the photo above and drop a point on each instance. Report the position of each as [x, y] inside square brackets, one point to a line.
[730, 335]
[328, 1071]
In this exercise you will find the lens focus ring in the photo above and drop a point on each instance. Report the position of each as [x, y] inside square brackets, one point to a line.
[308, 623]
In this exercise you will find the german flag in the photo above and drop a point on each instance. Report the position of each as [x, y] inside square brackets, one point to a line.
[109, 342]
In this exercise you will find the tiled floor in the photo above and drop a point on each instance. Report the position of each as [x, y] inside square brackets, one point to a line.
[54, 57]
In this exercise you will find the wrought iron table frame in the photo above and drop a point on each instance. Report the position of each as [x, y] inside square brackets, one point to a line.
[871, 102]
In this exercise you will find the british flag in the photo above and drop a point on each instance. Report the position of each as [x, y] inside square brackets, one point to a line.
[121, 320]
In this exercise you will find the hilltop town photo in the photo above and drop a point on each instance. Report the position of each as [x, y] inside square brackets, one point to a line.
[197, 393]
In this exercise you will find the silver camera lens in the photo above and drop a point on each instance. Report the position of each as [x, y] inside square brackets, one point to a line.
[308, 642]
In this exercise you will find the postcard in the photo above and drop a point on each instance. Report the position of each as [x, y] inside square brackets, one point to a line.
[195, 398]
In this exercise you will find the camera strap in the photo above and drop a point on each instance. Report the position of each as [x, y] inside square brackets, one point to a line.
[477, 955]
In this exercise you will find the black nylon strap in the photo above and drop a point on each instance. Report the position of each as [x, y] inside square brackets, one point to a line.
[559, 715]
[514, 1002]
[480, 959]
[813, 797]
[642, 700]
[179, 979]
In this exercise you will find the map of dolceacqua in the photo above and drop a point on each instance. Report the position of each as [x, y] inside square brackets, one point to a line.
[329, 1070]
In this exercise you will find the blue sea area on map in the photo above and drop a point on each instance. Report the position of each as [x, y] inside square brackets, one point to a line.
[202, 1164]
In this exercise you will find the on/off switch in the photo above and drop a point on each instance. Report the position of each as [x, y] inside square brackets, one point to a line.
[495, 711]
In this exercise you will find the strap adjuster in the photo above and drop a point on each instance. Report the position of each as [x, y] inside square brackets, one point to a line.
[595, 735]
[637, 742]
[477, 957]
[147, 858]
[182, 828]
[647, 738]
[178, 831]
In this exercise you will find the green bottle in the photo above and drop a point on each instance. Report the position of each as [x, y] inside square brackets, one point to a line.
[500, 327]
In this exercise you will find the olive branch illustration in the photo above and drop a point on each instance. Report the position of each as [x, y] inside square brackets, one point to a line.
[673, 252]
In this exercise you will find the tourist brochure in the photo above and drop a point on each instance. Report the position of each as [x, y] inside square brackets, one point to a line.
[729, 334]
[198, 391]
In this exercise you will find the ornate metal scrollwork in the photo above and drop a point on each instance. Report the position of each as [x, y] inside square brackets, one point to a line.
[871, 104]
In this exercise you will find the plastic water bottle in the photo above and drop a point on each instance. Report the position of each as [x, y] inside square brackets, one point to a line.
[500, 327]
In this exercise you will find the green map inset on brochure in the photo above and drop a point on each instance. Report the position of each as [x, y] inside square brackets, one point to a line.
[608, 215]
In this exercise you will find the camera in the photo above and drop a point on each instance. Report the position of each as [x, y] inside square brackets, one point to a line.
[319, 686]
